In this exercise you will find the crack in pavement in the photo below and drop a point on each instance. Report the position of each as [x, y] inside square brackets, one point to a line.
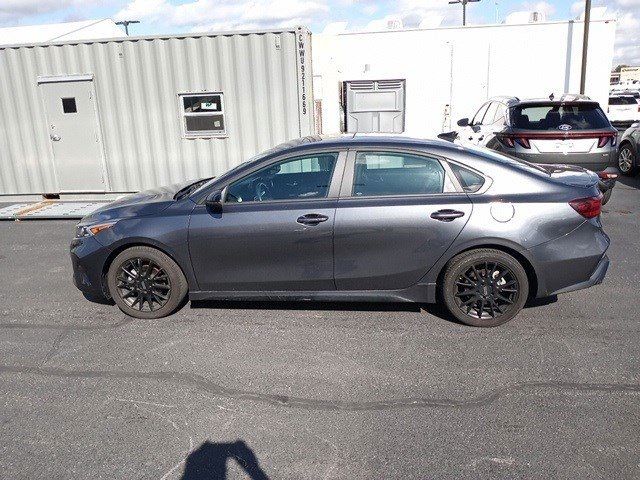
[49, 326]
[203, 384]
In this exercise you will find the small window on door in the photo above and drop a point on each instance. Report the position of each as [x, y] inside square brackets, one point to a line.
[203, 114]
[69, 105]
[390, 173]
[295, 178]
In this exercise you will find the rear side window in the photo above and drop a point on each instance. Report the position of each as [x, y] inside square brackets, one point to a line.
[470, 181]
[622, 101]
[577, 116]
[391, 173]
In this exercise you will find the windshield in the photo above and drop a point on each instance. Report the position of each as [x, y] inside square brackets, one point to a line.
[555, 116]
[184, 191]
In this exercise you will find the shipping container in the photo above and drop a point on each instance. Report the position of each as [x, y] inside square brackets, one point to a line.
[126, 114]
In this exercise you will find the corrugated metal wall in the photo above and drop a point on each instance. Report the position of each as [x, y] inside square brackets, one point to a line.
[137, 82]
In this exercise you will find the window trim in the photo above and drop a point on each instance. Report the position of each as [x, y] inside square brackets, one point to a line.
[451, 185]
[334, 183]
[204, 133]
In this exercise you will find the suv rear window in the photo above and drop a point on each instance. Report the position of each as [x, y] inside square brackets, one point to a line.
[622, 100]
[550, 116]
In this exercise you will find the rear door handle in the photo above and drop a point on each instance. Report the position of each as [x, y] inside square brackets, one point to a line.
[312, 219]
[447, 215]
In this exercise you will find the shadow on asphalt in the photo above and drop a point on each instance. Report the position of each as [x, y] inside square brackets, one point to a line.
[633, 182]
[209, 461]
[301, 305]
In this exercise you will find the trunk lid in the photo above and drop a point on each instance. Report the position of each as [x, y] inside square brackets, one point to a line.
[571, 175]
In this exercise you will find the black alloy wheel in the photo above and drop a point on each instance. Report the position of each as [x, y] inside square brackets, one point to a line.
[143, 284]
[146, 283]
[484, 287]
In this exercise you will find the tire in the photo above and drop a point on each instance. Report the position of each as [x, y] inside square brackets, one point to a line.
[138, 279]
[627, 161]
[606, 196]
[476, 301]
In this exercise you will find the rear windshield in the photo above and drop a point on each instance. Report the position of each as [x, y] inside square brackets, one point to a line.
[556, 116]
[622, 101]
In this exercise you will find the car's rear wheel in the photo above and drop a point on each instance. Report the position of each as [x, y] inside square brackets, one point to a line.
[484, 287]
[627, 163]
[146, 283]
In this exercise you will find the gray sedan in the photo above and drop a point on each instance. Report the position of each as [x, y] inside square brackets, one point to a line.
[352, 218]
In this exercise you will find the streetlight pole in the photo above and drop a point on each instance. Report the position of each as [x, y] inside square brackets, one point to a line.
[585, 45]
[126, 24]
[464, 8]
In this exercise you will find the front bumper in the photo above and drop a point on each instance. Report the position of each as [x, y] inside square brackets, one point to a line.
[87, 259]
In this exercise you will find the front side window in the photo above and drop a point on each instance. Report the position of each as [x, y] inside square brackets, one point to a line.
[203, 114]
[489, 117]
[294, 178]
[390, 173]
[477, 118]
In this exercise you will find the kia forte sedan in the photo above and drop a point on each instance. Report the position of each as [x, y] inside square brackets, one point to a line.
[374, 219]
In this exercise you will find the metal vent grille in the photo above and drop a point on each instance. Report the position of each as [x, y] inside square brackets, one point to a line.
[389, 84]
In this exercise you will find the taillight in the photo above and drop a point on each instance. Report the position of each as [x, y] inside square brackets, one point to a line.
[607, 175]
[602, 141]
[587, 207]
[506, 141]
[509, 141]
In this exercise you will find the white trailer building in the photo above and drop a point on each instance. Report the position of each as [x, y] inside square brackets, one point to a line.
[420, 82]
[125, 114]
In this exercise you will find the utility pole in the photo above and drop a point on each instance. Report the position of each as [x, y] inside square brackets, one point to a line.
[585, 44]
[464, 8]
[126, 24]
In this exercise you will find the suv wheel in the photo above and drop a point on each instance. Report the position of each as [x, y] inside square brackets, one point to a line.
[146, 283]
[627, 163]
[484, 287]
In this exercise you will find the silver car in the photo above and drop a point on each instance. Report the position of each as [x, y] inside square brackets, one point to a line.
[570, 129]
[373, 219]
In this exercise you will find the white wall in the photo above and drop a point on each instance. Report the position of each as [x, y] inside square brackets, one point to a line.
[463, 67]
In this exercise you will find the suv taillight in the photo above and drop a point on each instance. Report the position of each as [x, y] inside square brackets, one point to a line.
[602, 140]
[509, 140]
[588, 207]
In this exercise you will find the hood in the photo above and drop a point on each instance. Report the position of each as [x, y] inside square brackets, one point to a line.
[571, 174]
[148, 202]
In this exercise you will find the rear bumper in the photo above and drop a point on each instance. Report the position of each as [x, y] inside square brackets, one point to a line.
[595, 162]
[574, 261]
[596, 278]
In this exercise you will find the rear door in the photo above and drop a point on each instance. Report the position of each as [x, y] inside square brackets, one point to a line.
[397, 214]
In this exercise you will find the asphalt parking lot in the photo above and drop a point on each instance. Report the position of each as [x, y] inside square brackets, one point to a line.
[305, 391]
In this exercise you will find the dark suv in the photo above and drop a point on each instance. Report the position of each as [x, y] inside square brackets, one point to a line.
[571, 129]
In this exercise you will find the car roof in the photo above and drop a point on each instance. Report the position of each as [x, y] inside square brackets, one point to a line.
[357, 140]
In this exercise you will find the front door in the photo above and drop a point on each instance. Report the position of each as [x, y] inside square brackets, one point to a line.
[275, 231]
[394, 220]
[74, 133]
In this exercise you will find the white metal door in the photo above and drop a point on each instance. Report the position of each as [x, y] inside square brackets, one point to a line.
[74, 132]
[375, 106]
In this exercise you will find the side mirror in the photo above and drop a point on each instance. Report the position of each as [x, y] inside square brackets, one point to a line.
[463, 122]
[214, 202]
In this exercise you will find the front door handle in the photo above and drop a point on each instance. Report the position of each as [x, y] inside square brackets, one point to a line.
[312, 219]
[447, 215]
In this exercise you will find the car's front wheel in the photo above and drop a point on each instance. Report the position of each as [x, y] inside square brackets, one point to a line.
[484, 287]
[146, 283]
[627, 163]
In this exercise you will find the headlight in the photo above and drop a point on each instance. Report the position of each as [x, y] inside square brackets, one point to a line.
[90, 230]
